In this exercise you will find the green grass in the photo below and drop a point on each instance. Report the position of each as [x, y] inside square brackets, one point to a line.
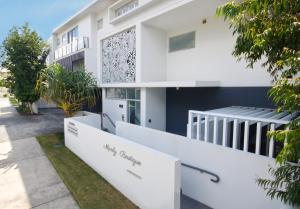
[21, 108]
[13, 101]
[88, 188]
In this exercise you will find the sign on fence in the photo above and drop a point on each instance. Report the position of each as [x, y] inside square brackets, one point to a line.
[149, 178]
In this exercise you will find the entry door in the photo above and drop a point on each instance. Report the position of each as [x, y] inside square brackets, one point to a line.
[116, 110]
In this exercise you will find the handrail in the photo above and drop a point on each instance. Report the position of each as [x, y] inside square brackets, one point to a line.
[217, 178]
[104, 115]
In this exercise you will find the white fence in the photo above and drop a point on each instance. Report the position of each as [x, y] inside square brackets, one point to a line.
[237, 170]
[149, 178]
[235, 126]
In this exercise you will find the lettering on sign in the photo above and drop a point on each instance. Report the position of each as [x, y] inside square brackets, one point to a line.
[110, 149]
[123, 154]
[72, 128]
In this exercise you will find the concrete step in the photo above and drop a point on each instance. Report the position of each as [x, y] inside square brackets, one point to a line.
[189, 203]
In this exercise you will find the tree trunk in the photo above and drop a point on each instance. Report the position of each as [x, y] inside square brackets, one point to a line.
[29, 106]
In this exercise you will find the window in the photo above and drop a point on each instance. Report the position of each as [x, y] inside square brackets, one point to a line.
[78, 65]
[73, 34]
[58, 42]
[64, 40]
[182, 42]
[134, 112]
[99, 24]
[133, 97]
[123, 93]
[115, 93]
[126, 8]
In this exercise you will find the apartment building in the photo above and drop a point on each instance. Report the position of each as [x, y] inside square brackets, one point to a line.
[167, 65]
[156, 59]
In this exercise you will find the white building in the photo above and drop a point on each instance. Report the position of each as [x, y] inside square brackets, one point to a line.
[156, 60]
[167, 56]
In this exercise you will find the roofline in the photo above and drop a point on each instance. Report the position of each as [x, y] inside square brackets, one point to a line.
[80, 12]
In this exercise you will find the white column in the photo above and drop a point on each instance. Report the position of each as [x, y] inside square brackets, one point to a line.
[235, 133]
[206, 129]
[225, 126]
[216, 129]
[271, 144]
[246, 136]
[198, 130]
[258, 138]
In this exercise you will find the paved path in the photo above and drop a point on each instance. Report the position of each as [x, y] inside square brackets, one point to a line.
[27, 178]
[14, 126]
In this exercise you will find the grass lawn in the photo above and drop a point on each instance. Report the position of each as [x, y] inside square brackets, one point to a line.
[88, 188]
[13, 101]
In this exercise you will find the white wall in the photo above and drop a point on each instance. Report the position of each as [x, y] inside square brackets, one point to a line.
[91, 52]
[116, 109]
[52, 44]
[87, 28]
[153, 54]
[212, 58]
[153, 108]
[84, 27]
[237, 170]
[133, 21]
[153, 183]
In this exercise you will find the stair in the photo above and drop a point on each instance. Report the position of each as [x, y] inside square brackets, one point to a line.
[189, 203]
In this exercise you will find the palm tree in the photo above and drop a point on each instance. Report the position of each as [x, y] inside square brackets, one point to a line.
[69, 90]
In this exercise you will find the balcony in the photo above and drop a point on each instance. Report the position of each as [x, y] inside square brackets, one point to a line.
[75, 46]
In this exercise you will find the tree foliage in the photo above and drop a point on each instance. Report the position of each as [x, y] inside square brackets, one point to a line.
[69, 90]
[24, 54]
[287, 177]
[269, 31]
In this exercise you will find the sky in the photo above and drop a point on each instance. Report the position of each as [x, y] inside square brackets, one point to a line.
[42, 15]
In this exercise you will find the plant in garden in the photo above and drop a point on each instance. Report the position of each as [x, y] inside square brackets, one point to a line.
[24, 54]
[69, 90]
[2, 83]
[269, 31]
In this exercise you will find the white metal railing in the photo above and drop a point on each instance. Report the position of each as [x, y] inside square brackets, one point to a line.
[74, 46]
[230, 127]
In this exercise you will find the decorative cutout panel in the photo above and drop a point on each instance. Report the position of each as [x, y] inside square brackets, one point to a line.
[119, 57]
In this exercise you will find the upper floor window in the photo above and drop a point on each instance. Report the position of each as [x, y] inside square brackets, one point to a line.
[182, 42]
[126, 8]
[99, 24]
[58, 42]
[64, 40]
[73, 34]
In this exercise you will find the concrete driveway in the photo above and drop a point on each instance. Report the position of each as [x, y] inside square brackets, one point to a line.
[14, 126]
[27, 178]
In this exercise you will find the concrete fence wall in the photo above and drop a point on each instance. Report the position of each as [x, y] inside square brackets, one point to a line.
[237, 170]
[149, 178]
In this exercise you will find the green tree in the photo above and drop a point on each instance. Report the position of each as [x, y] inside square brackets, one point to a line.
[69, 90]
[24, 54]
[269, 30]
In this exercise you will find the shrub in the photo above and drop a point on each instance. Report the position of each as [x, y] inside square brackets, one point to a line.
[69, 90]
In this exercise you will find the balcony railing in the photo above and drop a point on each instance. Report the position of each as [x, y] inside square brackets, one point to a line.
[76, 45]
